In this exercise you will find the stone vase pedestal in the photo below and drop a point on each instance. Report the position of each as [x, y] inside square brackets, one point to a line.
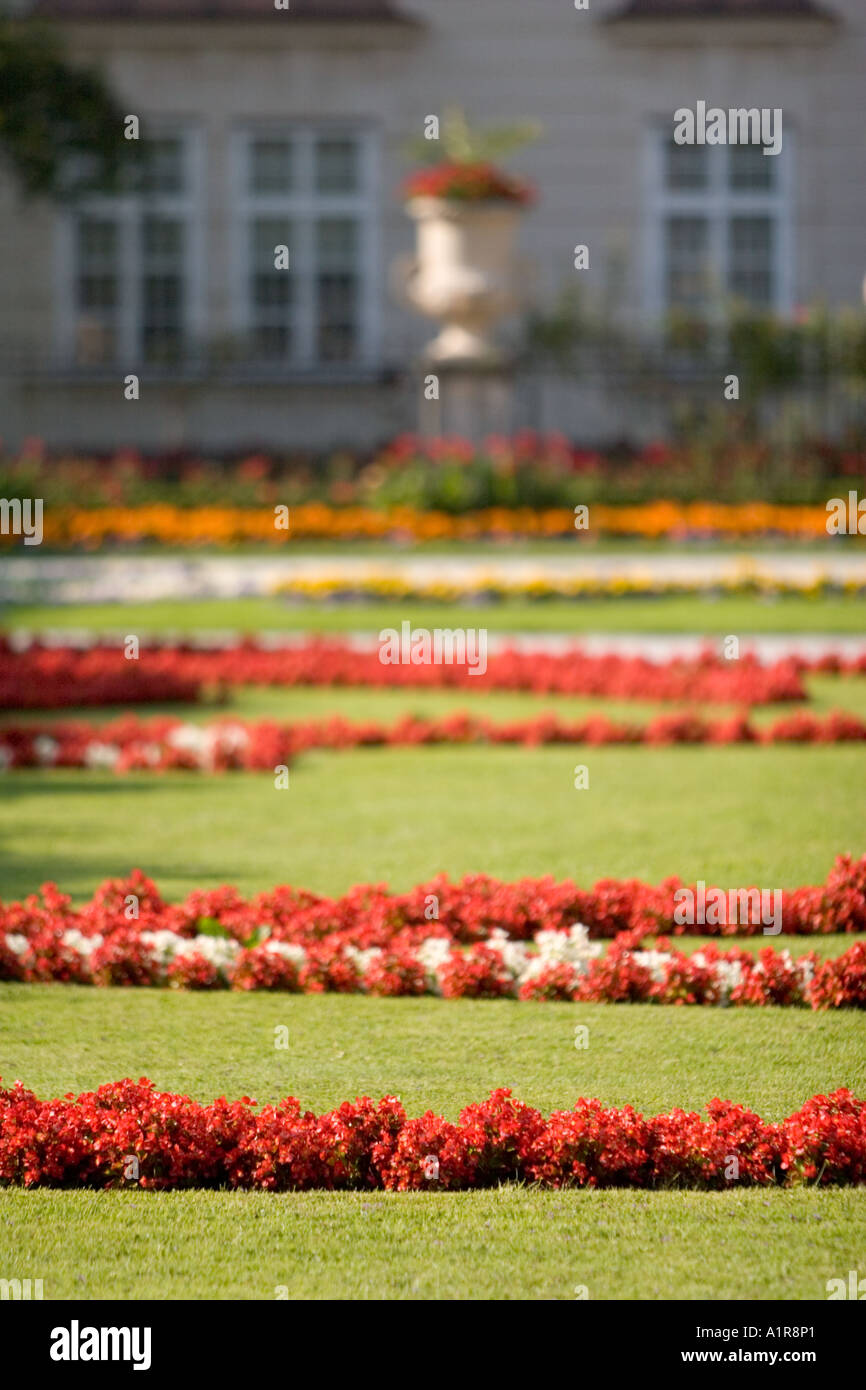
[464, 274]
[474, 401]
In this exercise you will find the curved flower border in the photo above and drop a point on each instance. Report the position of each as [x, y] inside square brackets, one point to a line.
[479, 938]
[130, 744]
[45, 676]
[551, 966]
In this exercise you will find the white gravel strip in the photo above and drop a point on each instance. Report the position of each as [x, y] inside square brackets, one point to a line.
[107, 578]
[654, 646]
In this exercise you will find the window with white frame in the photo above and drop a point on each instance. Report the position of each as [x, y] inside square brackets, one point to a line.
[131, 272]
[312, 190]
[719, 227]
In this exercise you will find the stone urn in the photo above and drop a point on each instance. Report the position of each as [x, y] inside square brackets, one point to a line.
[465, 274]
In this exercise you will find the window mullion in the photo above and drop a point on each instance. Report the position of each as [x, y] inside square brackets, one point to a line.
[305, 284]
[783, 267]
[193, 213]
[130, 283]
[719, 211]
[369, 268]
[653, 245]
[304, 210]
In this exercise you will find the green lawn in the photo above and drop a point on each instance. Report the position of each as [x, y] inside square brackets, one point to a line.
[511, 1243]
[506, 1244]
[432, 1053]
[773, 816]
[734, 816]
[824, 947]
[721, 616]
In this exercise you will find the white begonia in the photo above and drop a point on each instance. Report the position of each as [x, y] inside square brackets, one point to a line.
[46, 750]
[162, 946]
[219, 950]
[204, 743]
[729, 974]
[17, 944]
[231, 736]
[98, 755]
[572, 947]
[513, 954]
[433, 952]
[363, 959]
[77, 941]
[807, 971]
[654, 962]
[190, 738]
[289, 950]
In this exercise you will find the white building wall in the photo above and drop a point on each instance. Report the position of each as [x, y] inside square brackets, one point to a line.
[594, 87]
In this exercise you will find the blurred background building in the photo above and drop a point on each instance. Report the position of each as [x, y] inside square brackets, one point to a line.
[271, 126]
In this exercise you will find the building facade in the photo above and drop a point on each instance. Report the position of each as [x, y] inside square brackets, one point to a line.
[271, 126]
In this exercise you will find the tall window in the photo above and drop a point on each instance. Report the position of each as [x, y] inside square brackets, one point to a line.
[305, 245]
[719, 226]
[132, 288]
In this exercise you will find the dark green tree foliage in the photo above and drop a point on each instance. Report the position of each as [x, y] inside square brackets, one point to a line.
[61, 131]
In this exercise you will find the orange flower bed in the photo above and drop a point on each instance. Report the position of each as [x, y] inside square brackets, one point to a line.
[201, 526]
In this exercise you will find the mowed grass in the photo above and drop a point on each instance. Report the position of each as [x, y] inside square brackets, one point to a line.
[713, 616]
[772, 816]
[733, 816]
[509, 1243]
[824, 947]
[432, 1053]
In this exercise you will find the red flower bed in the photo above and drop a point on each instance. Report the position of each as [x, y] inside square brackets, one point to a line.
[479, 938]
[464, 912]
[127, 1133]
[843, 979]
[61, 677]
[130, 744]
[707, 678]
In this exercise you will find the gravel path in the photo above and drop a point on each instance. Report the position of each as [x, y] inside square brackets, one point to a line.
[657, 647]
[103, 578]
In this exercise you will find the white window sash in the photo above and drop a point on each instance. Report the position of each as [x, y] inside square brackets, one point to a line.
[128, 212]
[303, 206]
[718, 203]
